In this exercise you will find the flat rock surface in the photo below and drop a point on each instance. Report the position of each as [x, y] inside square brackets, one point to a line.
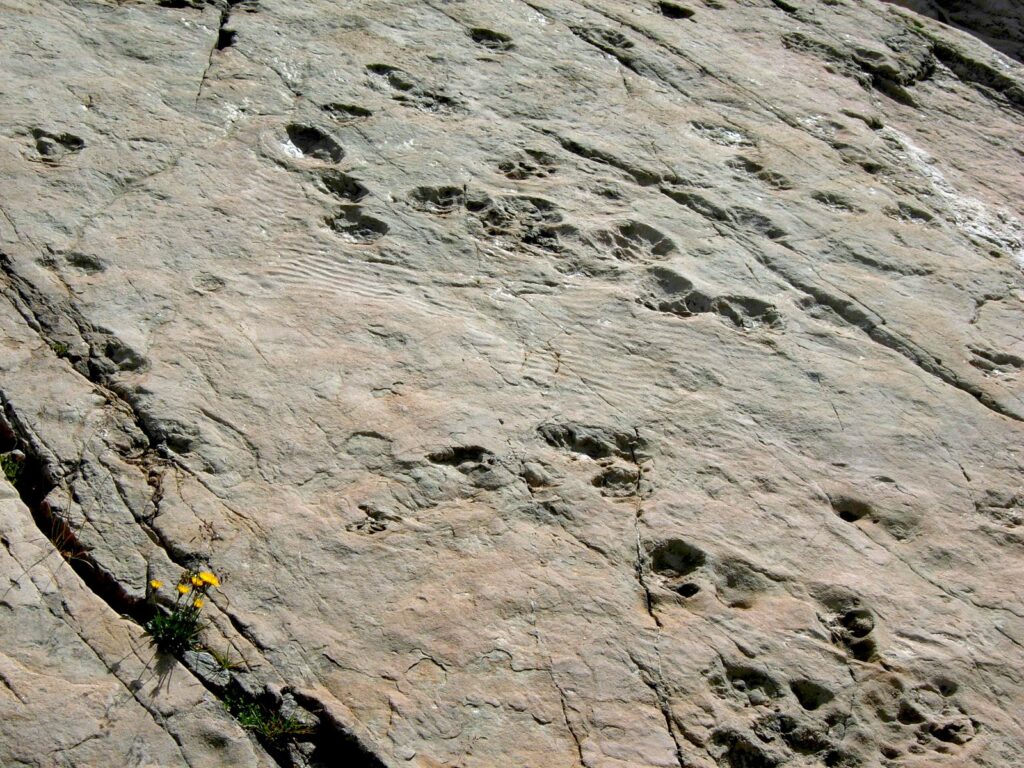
[552, 383]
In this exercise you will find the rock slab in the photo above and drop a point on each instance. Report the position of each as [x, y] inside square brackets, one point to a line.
[552, 383]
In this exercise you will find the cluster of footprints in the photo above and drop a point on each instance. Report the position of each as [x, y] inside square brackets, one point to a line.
[310, 143]
[534, 224]
[519, 222]
[763, 718]
[778, 718]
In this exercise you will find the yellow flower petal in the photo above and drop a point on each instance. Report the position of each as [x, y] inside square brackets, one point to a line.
[184, 589]
[209, 578]
[196, 581]
[156, 584]
[198, 602]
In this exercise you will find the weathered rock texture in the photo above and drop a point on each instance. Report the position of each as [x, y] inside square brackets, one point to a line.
[553, 383]
[1000, 23]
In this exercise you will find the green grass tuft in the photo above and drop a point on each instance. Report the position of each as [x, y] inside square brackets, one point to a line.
[175, 632]
[11, 465]
[269, 726]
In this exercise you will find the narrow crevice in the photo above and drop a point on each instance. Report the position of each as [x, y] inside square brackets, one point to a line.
[638, 513]
[929, 364]
[40, 476]
[335, 743]
[50, 323]
[225, 39]
[328, 741]
[568, 723]
[650, 680]
[639, 569]
[34, 483]
[985, 79]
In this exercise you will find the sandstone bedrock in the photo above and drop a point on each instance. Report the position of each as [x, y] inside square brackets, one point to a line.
[549, 383]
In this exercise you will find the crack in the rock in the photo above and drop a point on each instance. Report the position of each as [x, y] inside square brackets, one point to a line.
[156, 715]
[649, 680]
[876, 331]
[983, 78]
[218, 43]
[638, 513]
[35, 485]
[41, 477]
[568, 723]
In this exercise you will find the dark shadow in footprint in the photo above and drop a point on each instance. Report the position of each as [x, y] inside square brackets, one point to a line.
[536, 164]
[810, 694]
[494, 41]
[673, 11]
[909, 213]
[408, 90]
[635, 241]
[352, 225]
[479, 465]
[758, 171]
[344, 112]
[457, 455]
[112, 355]
[342, 186]
[748, 218]
[439, 201]
[675, 294]
[312, 142]
[697, 203]
[755, 683]
[850, 509]
[850, 624]
[618, 481]
[739, 751]
[531, 221]
[834, 202]
[595, 442]
[85, 262]
[54, 147]
[674, 558]
[611, 41]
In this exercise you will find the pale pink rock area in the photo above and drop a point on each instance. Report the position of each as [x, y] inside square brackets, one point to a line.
[551, 383]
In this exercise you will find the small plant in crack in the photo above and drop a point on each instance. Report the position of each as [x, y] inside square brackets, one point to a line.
[270, 726]
[60, 349]
[176, 630]
[66, 541]
[12, 464]
[225, 660]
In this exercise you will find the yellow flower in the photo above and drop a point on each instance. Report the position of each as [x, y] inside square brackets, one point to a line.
[184, 589]
[208, 578]
[156, 584]
[196, 581]
[198, 602]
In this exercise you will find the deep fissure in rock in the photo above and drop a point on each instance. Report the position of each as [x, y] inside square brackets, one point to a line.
[37, 481]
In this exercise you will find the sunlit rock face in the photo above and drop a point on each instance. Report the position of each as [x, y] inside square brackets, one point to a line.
[550, 383]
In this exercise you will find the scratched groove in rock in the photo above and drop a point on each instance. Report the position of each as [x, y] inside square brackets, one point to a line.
[553, 383]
